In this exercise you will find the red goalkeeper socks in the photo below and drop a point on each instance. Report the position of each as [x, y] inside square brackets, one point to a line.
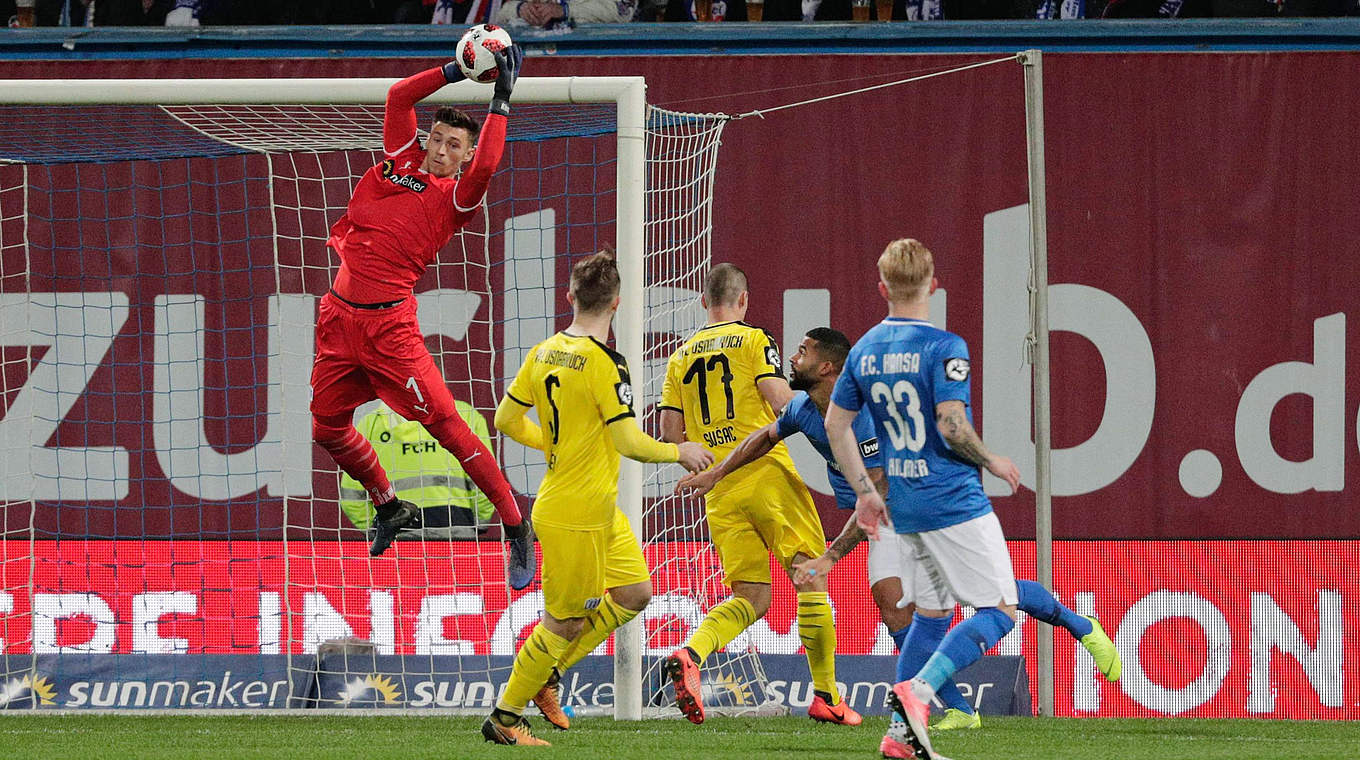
[455, 436]
[354, 454]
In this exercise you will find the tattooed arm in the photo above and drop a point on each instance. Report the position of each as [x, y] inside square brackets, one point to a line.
[954, 427]
[870, 510]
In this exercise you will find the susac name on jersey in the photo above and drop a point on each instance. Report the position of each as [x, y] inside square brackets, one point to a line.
[719, 437]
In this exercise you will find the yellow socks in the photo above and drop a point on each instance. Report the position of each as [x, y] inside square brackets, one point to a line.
[599, 624]
[817, 630]
[533, 666]
[722, 624]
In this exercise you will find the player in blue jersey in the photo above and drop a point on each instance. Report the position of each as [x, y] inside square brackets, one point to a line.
[901, 370]
[814, 369]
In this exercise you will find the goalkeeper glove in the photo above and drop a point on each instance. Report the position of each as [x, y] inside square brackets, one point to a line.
[508, 62]
[512, 532]
[453, 74]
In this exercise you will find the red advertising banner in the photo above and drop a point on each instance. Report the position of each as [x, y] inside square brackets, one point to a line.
[1210, 629]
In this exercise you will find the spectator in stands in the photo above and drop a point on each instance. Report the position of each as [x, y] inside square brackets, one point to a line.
[717, 10]
[106, 12]
[423, 473]
[284, 12]
[979, 10]
[787, 10]
[9, 9]
[1226, 8]
[555, 14]
[466, 11]
[1153, 9]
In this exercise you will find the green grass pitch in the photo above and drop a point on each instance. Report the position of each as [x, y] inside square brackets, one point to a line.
[271, 737]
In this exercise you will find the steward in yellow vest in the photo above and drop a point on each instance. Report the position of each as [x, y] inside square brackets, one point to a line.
[424, 474]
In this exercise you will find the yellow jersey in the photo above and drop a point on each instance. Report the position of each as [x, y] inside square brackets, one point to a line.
[578, 386]
[712, 379]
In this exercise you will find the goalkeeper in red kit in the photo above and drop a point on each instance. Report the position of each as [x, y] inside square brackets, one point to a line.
[368, 344]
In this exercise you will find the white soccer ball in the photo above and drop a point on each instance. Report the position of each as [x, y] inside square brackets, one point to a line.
[474, 53]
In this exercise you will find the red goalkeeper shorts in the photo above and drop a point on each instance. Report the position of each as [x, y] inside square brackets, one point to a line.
[363, 354]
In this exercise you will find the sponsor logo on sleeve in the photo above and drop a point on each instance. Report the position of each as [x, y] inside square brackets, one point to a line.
[625, 392]
[956, 369]
[772, 355]
[868, 448]
[408, 181]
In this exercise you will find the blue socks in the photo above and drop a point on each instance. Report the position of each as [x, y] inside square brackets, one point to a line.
[899, 637]
[1039, 604]
[934, 653]
[923, 638]
[964, 645]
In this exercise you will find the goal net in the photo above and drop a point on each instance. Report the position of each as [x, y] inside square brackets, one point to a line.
[167, 522]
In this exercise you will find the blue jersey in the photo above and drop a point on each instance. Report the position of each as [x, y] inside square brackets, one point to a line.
[900, 370]
[802, 416]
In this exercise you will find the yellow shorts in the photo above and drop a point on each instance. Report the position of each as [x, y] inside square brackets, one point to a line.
[578, 565]
[769, 512]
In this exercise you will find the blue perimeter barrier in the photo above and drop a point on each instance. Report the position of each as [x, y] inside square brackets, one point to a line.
[996, 685]
[417, 41]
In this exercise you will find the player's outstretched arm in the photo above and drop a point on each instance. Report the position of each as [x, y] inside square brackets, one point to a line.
[870, 510]
[491, 142]
[755, 446]
[952, 421]
[632, 442]
[399, 115]
[511, 419]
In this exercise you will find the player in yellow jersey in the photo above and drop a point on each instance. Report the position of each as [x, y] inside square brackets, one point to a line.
[594, 576]
[725, 383]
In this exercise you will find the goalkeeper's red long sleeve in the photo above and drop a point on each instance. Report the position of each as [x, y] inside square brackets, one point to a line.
[477, 177]
[399, 115]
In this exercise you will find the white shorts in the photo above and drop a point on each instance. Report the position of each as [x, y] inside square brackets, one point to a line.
[966, 563]
[886, 556]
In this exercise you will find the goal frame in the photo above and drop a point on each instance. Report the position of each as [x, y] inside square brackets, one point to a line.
[627, 93]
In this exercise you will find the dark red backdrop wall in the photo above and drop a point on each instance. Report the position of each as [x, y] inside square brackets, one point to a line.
[1212, 195]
